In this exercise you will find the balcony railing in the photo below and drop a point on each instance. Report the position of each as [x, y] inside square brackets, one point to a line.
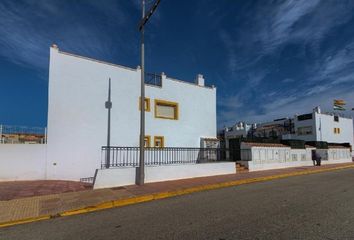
[129, 156]
[153, 79]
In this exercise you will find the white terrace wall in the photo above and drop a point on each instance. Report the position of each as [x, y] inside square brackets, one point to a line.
[115, 177]
[264, 158]
[77, 118]
[22, 162]
[335, 155]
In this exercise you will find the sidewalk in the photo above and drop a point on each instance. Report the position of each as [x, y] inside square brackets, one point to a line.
[62, 204]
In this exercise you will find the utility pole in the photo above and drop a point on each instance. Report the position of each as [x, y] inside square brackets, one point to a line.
[140, 172]
[108, 105]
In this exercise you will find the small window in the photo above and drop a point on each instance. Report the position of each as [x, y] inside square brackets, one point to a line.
[159, 141]
[147, 141]
[336, 130]
[147, 104]
[336, 118]
[166, 110]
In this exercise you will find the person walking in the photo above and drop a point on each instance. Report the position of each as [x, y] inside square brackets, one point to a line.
[318, 159]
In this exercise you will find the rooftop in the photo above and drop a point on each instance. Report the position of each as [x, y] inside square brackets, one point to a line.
[152, 79]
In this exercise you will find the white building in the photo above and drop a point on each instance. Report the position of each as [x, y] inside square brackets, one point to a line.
[178, 113]
[317, 126]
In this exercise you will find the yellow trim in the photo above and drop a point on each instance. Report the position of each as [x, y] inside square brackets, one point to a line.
[162, 195]
[167, 103]
[147, 101]
[148, 138]
[162, 138]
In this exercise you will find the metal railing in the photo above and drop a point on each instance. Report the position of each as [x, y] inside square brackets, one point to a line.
[22, 134]
[153, 79]
[129, 156]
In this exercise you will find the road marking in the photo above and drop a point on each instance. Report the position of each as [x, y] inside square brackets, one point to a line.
[168, 194]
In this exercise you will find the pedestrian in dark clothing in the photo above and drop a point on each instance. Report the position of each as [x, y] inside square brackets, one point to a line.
[318, 159]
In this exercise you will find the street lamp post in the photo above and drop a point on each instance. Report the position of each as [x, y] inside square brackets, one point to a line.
[108, 105]
[140, 175]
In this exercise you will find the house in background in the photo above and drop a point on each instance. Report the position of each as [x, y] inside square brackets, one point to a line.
[315, 126]
[177, 113]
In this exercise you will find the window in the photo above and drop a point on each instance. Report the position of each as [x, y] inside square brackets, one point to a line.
[304, 117]
[147, 104]
[304, 130]
[336, 118]
[336, 130]
[159, 141]
[166, 110]
[147, 141]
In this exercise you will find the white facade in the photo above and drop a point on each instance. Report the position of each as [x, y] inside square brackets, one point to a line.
[77, 118]
[323, 127]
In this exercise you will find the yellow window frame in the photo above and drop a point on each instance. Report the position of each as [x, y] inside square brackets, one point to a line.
[169, 104]
[147, 104]
[148, 140]
[161, 138]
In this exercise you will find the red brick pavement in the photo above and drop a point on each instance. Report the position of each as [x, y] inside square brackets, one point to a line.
[21, 189]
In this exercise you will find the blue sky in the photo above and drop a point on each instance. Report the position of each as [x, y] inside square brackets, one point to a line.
[268, 59]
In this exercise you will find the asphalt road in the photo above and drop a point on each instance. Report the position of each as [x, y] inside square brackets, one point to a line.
[317, 206]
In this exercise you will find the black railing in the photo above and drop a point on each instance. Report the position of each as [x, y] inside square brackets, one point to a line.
[153, 79]
[129, 156]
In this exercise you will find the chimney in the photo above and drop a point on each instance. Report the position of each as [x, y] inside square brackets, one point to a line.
[199, 80]
[317, 109]
[55, 46]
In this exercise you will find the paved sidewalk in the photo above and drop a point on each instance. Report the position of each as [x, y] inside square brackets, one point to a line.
[21, 189]
[33, 207]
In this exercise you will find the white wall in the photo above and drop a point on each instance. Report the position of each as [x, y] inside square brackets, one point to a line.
[126, 176]
[335, 155]
[326, 132]
[265, 158]
[77, 119]
[22, 162]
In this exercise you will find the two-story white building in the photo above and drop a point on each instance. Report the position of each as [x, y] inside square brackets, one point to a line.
[317, 126]
[178, 113]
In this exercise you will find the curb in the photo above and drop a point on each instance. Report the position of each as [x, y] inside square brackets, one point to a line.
[168, 194]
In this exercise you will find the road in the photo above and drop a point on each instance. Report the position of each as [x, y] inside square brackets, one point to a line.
[317, 206]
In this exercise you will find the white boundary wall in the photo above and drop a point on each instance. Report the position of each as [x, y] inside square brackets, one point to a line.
[116, 177]
[266, 158]
[22, 162]
[335, 155]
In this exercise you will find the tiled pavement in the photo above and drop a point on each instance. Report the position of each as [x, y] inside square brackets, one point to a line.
[59, 201]
[21, 189]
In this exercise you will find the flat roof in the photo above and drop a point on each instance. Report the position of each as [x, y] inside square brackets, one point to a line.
[128, 68]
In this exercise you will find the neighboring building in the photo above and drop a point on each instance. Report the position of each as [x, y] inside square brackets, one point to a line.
[275, 129]
[178, 113]
[240, 129]
[315, 126]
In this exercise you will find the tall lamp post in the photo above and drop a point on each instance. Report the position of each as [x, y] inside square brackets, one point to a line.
[140, 175]
[108, 105]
